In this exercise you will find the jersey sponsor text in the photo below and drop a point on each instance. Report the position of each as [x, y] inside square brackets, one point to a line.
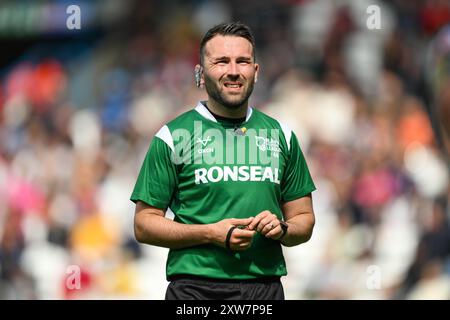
[236, 173]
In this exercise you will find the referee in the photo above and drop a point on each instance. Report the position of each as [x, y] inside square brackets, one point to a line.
[234, 178]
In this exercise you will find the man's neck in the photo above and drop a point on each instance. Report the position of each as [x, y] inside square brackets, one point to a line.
[222, 111]
[221, 119]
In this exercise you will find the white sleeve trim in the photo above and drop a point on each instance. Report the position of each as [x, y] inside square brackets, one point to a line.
[165, 135]
[287, 134]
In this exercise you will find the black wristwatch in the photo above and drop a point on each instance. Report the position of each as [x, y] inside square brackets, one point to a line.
[284, 227]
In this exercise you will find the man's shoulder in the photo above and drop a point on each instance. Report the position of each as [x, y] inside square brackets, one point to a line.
[182, 121]
[271, 122]
[274, 122]
[262, 115]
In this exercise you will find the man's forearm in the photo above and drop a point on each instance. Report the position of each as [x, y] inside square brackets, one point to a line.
[159, 231]
[299, 231]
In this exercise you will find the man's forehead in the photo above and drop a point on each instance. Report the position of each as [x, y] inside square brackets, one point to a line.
[227, 46]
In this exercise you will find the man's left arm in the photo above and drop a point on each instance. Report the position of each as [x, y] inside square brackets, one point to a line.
[299, 216]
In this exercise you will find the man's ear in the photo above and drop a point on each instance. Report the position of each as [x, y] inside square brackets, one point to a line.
[202, 80]
[199, 79]
[256, 72]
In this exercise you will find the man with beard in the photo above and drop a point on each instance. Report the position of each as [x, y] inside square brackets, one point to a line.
[234, 179]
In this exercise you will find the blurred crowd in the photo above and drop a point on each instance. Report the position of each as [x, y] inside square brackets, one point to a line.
[77, 117]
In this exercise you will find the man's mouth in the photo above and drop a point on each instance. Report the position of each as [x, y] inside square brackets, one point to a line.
[232, 85]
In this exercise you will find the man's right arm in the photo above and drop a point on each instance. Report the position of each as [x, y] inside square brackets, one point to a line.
[152, 227]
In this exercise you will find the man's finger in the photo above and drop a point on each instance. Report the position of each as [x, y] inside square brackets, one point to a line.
[257, 220]
[240, 245]
[241, 222]
[243, 233]
[244, 245]
[275, 231]
[263, 223]
[270, 225]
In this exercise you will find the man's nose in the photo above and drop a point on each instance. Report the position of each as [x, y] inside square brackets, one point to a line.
[233, 69]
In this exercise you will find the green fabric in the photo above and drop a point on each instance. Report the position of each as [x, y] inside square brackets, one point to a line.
[205, 198]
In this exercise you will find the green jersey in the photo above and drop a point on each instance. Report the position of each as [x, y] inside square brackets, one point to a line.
[205, 170]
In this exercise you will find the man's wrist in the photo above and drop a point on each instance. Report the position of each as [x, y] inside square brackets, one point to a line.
[209, 235]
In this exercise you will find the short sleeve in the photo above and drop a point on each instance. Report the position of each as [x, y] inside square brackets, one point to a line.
[297, 181]
[157, 178]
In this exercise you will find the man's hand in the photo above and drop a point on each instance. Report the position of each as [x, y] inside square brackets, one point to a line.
[267, 224]
[241, 238]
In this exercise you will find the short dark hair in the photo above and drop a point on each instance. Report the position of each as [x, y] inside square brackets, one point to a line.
[237, 29]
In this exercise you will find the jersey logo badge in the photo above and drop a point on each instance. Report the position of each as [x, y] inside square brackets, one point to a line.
[265, 144]
[204, 142]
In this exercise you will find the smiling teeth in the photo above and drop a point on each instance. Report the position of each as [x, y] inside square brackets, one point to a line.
[232, 85]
